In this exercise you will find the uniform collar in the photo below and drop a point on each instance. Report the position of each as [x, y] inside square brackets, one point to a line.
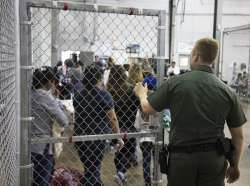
[204, 68]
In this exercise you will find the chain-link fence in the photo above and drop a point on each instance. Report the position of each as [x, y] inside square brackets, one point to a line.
[8, 93]
[235, 68]
[87, 61]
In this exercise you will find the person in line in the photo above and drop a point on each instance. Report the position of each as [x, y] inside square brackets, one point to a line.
[66, 82]
[126, 107]
[94, 114]
[126, 67]
[173, 69]
[135, 74]
[77, 75]
[200, 103]
[239, 84]
[149, 78]
[44, 109]
[148, 123]
[245, 83]
[111, 63]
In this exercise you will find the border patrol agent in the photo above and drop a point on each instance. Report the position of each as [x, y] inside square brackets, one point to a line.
[200, 105]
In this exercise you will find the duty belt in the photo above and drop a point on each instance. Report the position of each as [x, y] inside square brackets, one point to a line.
[193, 148]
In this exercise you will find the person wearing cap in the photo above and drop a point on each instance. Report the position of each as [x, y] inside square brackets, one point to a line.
[200, 104]
[44, 109]
[149, 78]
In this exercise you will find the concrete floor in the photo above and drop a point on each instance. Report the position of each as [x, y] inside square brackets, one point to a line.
[245, 162]
[69, 158]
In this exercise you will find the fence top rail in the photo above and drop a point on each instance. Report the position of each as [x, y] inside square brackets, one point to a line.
[237, 28]
[80, 6]
[93, 137]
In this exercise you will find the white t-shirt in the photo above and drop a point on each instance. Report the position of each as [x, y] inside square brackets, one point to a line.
[106, 77]
[174, 70]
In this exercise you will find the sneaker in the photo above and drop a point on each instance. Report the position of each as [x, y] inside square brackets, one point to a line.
[120, 178]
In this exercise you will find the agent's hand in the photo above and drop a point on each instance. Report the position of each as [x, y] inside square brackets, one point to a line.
[141, 90]
[232, 174]
[120, 144]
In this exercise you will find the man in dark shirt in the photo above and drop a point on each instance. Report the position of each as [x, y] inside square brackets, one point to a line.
[200, 105]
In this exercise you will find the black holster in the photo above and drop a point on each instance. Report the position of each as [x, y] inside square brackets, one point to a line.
[163, 160]
[225, 147]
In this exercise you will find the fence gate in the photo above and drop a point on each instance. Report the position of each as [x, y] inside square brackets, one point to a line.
[58, 30]
[235, 68]
[8, 93]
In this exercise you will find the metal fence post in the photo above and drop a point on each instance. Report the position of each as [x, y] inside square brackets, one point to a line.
[25, 78]
[217, 30]
[172, 27]
[248, 76]
[161, 51]
[54, 36]
[9, 104]
[17, 92]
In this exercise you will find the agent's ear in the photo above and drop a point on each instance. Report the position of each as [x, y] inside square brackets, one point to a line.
[196, 58]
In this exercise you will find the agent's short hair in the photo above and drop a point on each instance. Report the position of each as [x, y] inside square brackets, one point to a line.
[207, 49]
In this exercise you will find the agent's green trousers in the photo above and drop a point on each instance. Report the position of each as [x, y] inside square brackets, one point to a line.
[197, 169]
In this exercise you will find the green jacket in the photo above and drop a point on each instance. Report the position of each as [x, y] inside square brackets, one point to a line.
[200, 104]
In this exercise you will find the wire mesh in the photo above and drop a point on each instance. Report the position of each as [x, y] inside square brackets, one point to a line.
[8, 146]
[90, 93]
[236, 67]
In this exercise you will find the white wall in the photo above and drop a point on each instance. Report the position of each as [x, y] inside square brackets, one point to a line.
[198, 22]
[76, 33]
[146, 4]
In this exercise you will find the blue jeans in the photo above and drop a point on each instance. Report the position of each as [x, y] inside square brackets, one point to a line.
[125, 155]
[43, 168]
[91, 155]
[146, 148]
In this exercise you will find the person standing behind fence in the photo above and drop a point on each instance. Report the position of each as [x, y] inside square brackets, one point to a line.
[44, 109]
[110, 64]
[77, 75]
[135, 74]
[126, 106]
[148, 123]
[94, 114]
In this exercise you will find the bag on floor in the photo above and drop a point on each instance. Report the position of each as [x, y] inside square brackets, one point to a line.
[66, 177]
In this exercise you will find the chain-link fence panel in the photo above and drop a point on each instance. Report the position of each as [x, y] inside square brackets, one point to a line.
[105, 34]
[235, 68]
[86, 66]
[8, 92]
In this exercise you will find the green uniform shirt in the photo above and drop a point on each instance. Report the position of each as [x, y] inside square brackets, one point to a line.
[200, 104]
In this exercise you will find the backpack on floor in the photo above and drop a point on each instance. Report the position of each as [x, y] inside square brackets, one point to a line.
[66, 177]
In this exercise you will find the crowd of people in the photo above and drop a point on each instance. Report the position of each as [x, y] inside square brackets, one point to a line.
[104, 102]
[110, 100]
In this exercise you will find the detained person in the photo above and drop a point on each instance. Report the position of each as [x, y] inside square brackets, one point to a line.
[126, 107]
[44, 109]
[200, 104]
[94, 114]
